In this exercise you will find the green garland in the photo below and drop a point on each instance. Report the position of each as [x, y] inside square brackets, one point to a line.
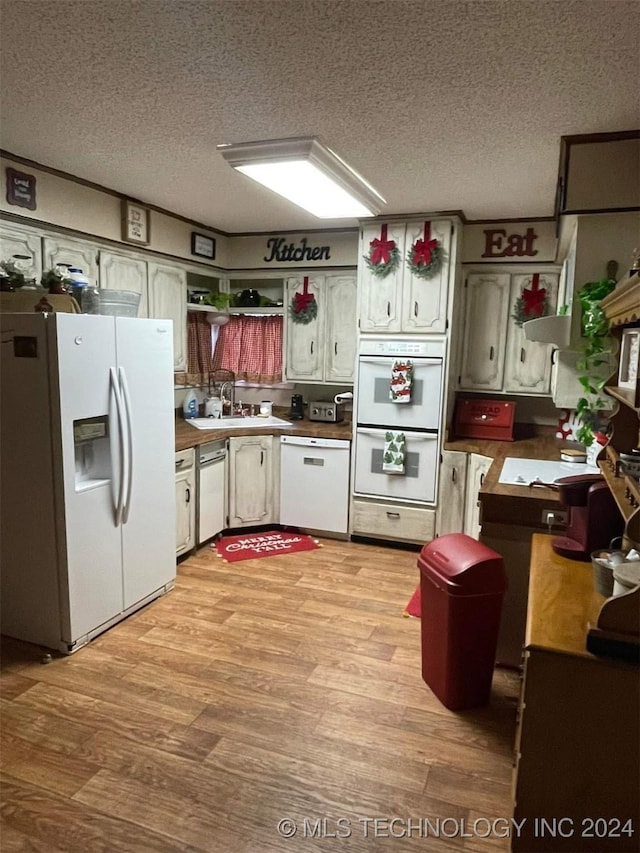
[519, 315]
[310, 312]
[381, 270]
[438, 256]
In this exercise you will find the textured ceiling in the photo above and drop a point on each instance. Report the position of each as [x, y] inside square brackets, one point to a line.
[440, 104]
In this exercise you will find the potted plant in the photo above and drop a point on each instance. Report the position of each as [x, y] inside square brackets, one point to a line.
[218, 300]
[594, 364]
[56, 280]
[11, 275]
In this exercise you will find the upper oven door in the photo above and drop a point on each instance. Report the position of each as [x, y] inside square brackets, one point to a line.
[375, 407]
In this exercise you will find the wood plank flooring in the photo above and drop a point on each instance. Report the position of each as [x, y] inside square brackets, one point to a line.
[254, 692]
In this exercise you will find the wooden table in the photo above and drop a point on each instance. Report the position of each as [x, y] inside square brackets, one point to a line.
[577, 747]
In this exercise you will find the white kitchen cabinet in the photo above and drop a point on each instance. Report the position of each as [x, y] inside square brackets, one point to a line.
[253, 481]
[305, 341]
[168, 301]
[402, 301]
[75, 253]
[185, 501]
[323, 350]
[25, 243]
[527, 367]
[485, 325]
[495, 355]
[121, 271]
[477, 468]
[340, 328]
[452, 492]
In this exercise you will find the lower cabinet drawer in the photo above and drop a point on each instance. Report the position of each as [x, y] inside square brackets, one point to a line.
[390, 521]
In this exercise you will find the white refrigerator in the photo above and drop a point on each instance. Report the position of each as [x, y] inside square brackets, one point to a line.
[87, 492]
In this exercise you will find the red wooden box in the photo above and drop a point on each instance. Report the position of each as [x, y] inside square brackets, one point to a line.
[484, 419]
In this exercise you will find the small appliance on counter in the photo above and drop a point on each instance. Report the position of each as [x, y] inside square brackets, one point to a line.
[326, 411]
[593, 516]
[296, 412]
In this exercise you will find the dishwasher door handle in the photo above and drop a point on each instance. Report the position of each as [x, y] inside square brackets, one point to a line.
[313, 460]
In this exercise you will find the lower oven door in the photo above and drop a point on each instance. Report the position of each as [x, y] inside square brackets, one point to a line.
[418, 483]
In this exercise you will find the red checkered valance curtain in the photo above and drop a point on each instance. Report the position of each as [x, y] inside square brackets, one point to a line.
[199, 349]
[252, 348]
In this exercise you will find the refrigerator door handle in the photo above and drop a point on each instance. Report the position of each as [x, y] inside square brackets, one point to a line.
[129, 430]
[118, 503]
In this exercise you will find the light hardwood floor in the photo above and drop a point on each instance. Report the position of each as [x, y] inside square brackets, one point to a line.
[281, 688]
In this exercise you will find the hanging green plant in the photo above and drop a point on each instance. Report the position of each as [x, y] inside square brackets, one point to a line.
[594, 361]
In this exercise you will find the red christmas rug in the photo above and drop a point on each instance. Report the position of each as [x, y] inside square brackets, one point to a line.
[267, 544]
[413, 607]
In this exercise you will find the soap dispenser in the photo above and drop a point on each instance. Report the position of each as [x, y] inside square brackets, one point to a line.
[190, 404]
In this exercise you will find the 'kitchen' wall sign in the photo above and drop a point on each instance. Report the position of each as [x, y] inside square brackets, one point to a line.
[281, 251]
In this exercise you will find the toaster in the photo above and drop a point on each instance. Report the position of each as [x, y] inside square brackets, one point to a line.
[329, 412]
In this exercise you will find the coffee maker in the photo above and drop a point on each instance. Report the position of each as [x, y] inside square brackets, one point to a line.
[593, 518]
[296, 412]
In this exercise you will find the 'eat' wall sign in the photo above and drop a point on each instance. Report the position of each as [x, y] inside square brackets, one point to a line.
[500, 244]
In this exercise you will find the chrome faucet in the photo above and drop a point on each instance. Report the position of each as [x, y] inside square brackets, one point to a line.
[230, 387]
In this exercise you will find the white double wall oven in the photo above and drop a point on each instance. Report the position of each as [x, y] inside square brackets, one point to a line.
[419, 420]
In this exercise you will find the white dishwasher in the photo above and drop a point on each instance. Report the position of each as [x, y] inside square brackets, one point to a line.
[212, 489]
[314, 483]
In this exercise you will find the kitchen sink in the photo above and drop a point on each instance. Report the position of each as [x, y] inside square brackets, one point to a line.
[255, 422]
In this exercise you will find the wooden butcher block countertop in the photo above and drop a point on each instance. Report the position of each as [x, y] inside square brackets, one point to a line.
[496, 497]
[188, 436]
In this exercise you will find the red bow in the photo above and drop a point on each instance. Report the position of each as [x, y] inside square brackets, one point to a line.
[381, 248]
[422, 249]
[533, 300]
[301, 301]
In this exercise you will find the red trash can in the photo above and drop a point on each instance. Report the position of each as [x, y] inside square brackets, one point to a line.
[462, 585]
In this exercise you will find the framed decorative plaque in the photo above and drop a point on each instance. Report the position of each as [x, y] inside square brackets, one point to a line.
[203, 246]
[135, 223]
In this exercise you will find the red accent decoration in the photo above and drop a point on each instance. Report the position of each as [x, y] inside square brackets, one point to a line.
[301, 300]
[381, 248]
[422, 248]
[269, 544]
[484, 419]
[413, 607]
[533, 300]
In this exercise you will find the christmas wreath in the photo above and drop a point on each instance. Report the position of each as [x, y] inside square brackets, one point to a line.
[532, 302]
[383, 256]
[303, 308]
[426, 255]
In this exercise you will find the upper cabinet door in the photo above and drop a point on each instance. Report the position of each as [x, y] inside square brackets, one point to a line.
[424, 300]
[168, 301]
[486, 312]
[74, 253]
[341, 332]
[24, 243]
[305, 341]
[381, 296]
[125, 272]
[528, 363]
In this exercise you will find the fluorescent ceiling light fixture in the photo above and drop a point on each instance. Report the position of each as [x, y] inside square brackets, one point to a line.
[307, 173]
